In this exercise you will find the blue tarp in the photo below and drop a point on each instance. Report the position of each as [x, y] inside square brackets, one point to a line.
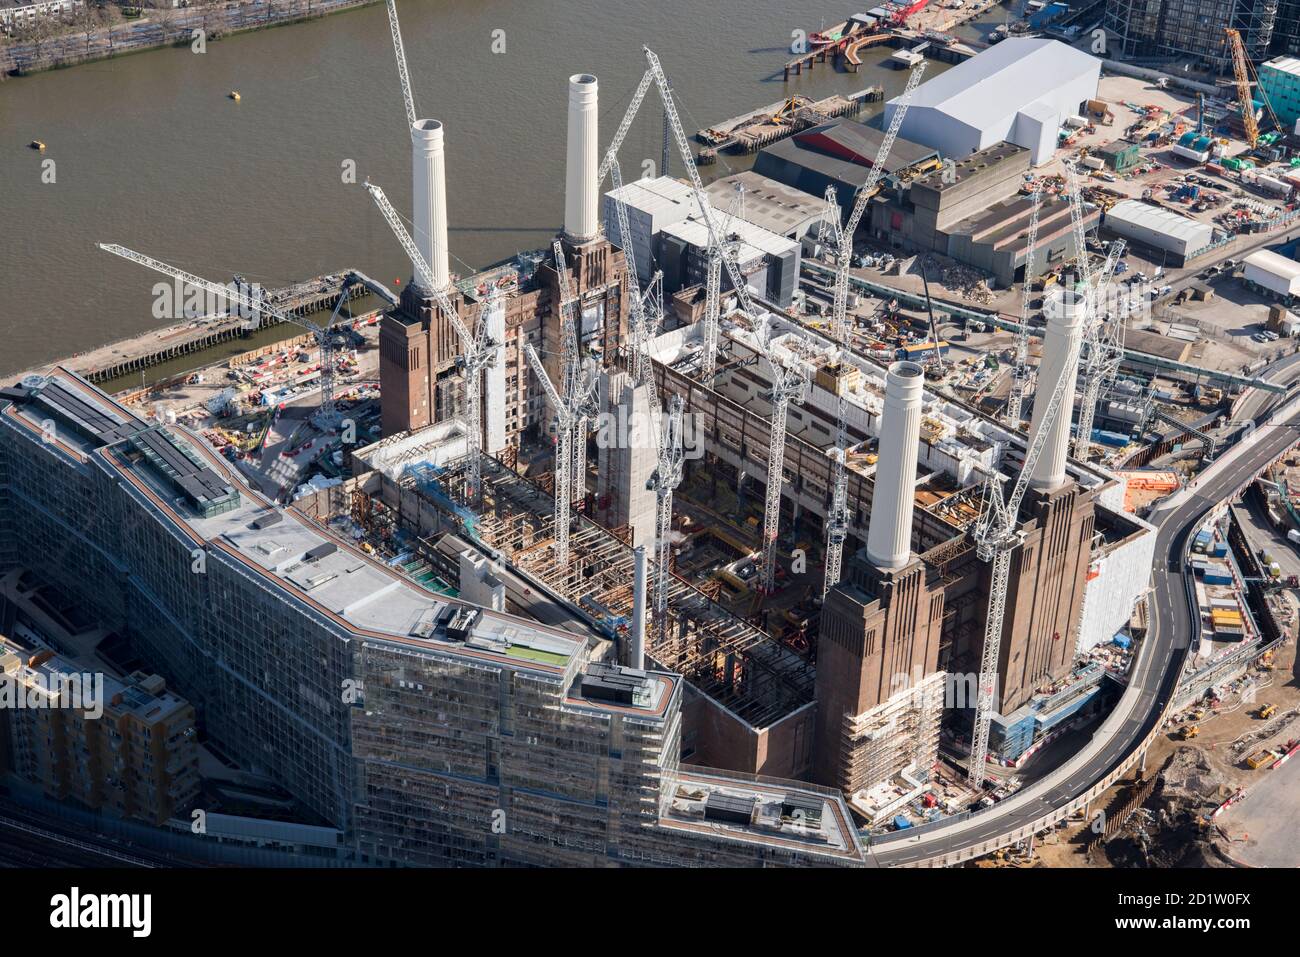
[901, 823]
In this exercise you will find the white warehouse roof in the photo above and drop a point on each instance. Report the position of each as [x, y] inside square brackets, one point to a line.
[1019, 90]
[1134, 219]
[1274, 272]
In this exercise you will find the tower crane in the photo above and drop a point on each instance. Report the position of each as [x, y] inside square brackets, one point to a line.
[790, 384]
[663, 482]
[479, 349]
[563, 455]
[576, 379]
[1020, 371]
[400, 52]
[327, 416]
[996, 537]
[643, 328]
[1104, 337]
[713, 287]
[842, 235]
[837, 517]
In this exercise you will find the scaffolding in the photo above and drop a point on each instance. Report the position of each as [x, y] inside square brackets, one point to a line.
[724, 657]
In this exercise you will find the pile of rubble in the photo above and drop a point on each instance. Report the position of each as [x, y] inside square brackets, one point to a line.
[1175, 829]
[969, 283]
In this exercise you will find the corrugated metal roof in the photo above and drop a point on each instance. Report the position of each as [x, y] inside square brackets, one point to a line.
[1003, 80]
[1137, 213]
[1270, 262]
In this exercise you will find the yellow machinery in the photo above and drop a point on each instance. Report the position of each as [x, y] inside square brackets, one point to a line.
[1241, 69]
[1267, 711]
[1245, 77]
[1188, 732]
[1259, 759]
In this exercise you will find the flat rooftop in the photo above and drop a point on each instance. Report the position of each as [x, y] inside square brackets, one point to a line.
[305, 562]
[755, 810]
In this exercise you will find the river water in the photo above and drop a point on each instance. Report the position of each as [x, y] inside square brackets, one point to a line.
[150, 152]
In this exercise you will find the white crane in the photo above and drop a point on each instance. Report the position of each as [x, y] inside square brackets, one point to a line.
[790, 385]
[563, 455]
[1020, 371]
[479, 349]
[997, 535]
[842, 235]
[327, 415]
[837, 516]
[577, 379]
[402, 74]
[643, 326]
[1104, 338]
[713, 285]
[663, 482]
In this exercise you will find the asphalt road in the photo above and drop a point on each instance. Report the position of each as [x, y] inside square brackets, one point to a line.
[1154, 676]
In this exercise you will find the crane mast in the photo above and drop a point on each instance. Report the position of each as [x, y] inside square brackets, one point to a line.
[1241, 72]
[1020, 371]
[996, 537]
[1104, 337]
[664, 481]
[478, 351]
[407, 98]
[789, 384]
[713, 289]
[563, 454]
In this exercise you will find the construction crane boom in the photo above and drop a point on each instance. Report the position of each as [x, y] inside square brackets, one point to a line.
[996, 536]
[400, 51]
[478, 350]
[701, 197]
[843, 234]
[1241, 71]
[1020, 371]
[563, 454]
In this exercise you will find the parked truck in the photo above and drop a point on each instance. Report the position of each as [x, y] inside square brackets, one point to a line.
[1293, 536]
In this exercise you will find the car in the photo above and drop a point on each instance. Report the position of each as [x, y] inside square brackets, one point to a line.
[1260, 337]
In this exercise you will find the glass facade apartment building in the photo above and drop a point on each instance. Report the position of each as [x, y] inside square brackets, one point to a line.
[428, 730]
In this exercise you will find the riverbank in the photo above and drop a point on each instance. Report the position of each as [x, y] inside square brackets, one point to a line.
[163, 28]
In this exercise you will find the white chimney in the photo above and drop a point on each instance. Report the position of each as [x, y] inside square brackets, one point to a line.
[636, 649]
[429, 192]
[580, 194]
[889, 536]
[1064, 330]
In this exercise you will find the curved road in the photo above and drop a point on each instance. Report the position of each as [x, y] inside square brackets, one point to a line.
[1151, 682]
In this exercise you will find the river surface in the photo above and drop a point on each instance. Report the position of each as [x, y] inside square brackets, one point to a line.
[149, 151]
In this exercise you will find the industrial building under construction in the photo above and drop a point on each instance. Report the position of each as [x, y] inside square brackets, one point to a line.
[624, 582]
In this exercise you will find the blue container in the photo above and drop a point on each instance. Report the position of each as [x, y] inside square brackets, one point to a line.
[1122, 641]
[1219, 550]
[1217, 578]
[901, 823]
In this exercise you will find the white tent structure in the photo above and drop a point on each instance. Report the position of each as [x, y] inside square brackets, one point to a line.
[1019, 90]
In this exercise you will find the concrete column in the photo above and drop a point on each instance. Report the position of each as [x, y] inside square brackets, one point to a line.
[580, 194]
[429, 192]
[1064, 330]
[889, 536]
[636, 648]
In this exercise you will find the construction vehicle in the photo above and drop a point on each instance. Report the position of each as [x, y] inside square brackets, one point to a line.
[1259, 759]
[1266, 711]
[1188, 731]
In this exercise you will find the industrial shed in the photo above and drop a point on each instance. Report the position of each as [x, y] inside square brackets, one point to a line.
[1159, 229]
[1020, 90]
[1272, 274]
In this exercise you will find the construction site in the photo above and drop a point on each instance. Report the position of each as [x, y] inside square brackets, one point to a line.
[891, 548]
